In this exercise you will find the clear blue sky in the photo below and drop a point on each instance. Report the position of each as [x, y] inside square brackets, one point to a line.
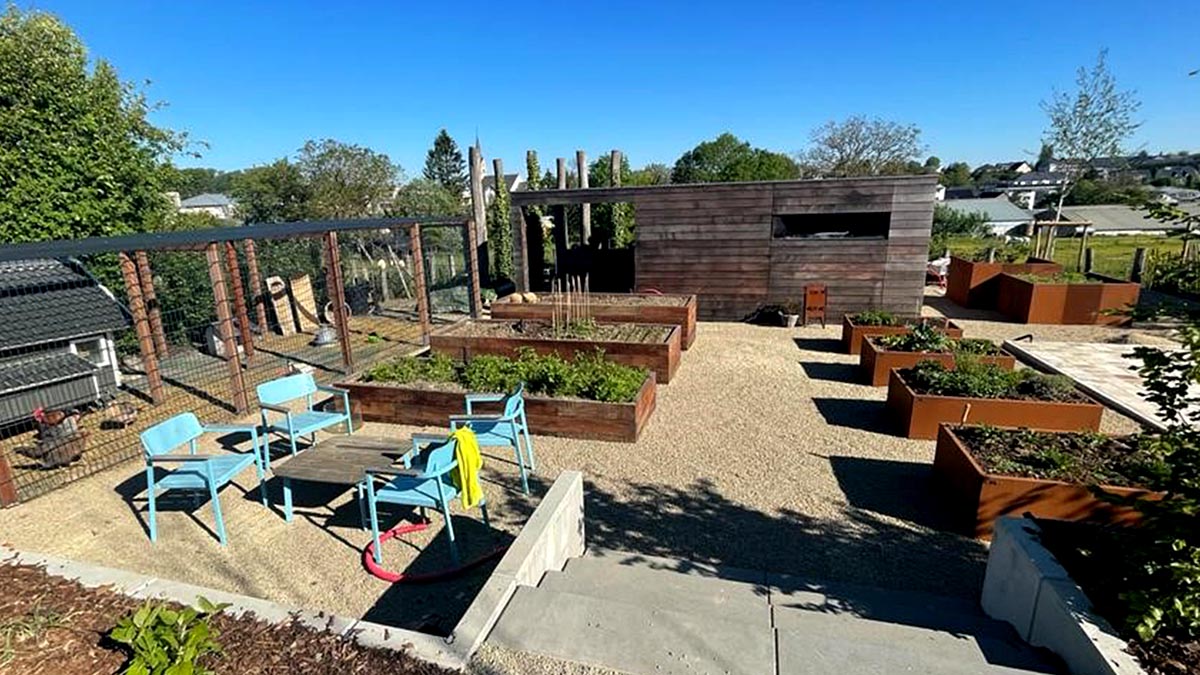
[256, 79]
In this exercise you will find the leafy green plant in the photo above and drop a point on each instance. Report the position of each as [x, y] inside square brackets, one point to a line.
[876, 317]
[973, 379]
[1171, 273]
[1059, 278]
[435, 368]
[1006, 252]
[925, 337]
[167, 641]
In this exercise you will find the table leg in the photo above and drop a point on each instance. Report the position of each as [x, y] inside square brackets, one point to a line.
[287, 499]
[362, 509]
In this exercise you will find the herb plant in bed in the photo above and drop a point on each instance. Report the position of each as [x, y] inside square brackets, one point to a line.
[880, 354]
[589, 397]
[674, 310]
[987, 472]
[928, 394]
[976, 284]
[652, 346]
[1066, 298]
[856, 327]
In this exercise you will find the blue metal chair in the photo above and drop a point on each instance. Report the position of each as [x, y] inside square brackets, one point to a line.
[506, 428]
[426, 485]
[275, 394]
[196, 472]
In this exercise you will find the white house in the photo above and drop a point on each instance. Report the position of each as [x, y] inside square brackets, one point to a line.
[1002, 216]
[1110, 219]
[217, 205]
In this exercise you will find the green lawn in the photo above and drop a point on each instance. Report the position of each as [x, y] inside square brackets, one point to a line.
[1112, 256]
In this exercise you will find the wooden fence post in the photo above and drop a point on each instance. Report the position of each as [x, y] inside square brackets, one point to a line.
[1088, 259]
[585, 231]
[1139, 265]
[141, 325]
[614, 169]
[478, 207]
[151, 300]
[473, 271]
[1082, 247]
[562, 238]
[256, 290]
[239, 300]
[414, 239]
[337, 297]
[225, 326]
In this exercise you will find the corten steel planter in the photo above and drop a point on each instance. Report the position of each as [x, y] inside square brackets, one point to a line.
[875, 364]
[853, 334]
[608, 308]
[918, 415]
[1063, 303]
[979, 498]
[566, 417]
[660, 357]
[975, 284]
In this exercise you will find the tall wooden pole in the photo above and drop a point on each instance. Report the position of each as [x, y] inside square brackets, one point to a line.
[614, 168]
[517, 233]
[256, 290]
[337, 296]
[473, 271]
[239, 300]
[141, 325]
[151, 299]
[585, 208]
[225, 326]
[562, 238]
[479, 208]
[414, 238]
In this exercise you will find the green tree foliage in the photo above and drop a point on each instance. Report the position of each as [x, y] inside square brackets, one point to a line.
[500, 240]
[197, 181]
[651, 174]
[1094, 191]
[956, 174]
[272, 193]
[425, 197]
[859, 146]
[730, 159]
[949, 222]
[346, 180]
[932, 164]
[444, 163]
[78, 156]
[612, 224]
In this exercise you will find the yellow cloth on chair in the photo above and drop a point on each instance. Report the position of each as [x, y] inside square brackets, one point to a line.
[466, 475]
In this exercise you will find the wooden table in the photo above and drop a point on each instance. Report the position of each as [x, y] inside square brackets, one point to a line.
[340, 460]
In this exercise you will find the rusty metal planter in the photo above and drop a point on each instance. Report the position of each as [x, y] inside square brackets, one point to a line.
[566, 417]
[660, 357]
[875, 364]
[682, 315]
[975, 284]
[918, 415]
[978, 498]
[1081, 303]
[853, 334]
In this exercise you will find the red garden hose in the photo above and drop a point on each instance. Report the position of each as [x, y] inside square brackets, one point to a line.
[428, 577]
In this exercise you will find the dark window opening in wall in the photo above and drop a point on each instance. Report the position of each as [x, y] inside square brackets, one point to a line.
[868, 225]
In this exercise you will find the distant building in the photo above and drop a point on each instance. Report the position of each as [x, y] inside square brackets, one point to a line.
[1108, 220]
[1003, 217]
[216, 205]
[1026, 188]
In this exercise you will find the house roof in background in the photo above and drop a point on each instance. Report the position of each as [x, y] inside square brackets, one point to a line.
[206, 200]
[1114, 218]
[39, 370]
[49, 301]
[510, 179]
[995, 209]
[1039, 178]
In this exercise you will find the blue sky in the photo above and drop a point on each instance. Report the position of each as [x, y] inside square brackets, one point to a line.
[256, 79]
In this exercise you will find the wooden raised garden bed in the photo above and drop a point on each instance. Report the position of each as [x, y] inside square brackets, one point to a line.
[651, 346]
[875, 363]
[918, 415]
[975, 284]
[980, 497]
[853, 334]
[1088, 302]
[567, 417]
[676, 310]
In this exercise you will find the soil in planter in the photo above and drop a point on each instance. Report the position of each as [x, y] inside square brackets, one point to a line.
[1084, 458]
[972, 379]
[1060, 278]
[915, 343]
[1096, 558]
[622, 299]
[53, 625]
[576, 330]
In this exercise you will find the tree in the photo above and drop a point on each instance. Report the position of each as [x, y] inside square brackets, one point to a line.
[272, 193]
[425, 197]
[933, 164]
[78, 155]
[346, 180]
[444, 163]
[651, 174]
[612, 224]
[1091, 122]
[729, 159]
[863, 147]
[956, 174]
[195, 181]
[1045, 156]
[500, 240]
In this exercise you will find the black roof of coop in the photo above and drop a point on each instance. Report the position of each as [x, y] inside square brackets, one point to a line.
[43, 301]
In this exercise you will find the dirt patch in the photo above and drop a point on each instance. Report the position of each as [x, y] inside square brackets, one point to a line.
[543, 330]
[1088, 459]
[53, 625]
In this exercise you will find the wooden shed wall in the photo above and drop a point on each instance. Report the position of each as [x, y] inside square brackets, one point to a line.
[715, 241]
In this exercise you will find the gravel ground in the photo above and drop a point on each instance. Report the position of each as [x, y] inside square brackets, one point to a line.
[764, 452]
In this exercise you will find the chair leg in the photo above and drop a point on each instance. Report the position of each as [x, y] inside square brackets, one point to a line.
[287, 500]
[516, 443]
[292, 439]
[216, 506]
[151, 497]
[450, 532]
[374, 513]
[529, 448]
[483, 510]
[362, 512]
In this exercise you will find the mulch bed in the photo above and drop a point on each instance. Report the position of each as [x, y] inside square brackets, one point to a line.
[1087, 459]
[542, 330]
[1096, 557]
[55, 626]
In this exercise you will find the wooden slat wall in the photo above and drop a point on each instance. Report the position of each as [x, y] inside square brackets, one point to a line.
[715, 241]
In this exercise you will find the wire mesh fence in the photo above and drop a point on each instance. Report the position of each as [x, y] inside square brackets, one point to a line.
[96, 349]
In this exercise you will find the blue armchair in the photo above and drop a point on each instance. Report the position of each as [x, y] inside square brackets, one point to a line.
[505, 429]
[195, 471]
[273, 395]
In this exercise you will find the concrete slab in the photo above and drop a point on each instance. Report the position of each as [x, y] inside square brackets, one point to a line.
[676, 565]
[632, 638]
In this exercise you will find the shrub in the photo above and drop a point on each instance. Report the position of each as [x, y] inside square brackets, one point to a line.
[973, 379]
[165, 640]
[1006, 252]
[435, 368]
[488, 373]
[876, 317]
[1171, 273]
[925, 337]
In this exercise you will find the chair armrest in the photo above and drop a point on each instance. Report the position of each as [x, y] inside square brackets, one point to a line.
[174, 459]
[429, 438]
[230, 428]
[332, 390]
[482, 398]
[276, 408]
[396, 472]
[456, 420]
